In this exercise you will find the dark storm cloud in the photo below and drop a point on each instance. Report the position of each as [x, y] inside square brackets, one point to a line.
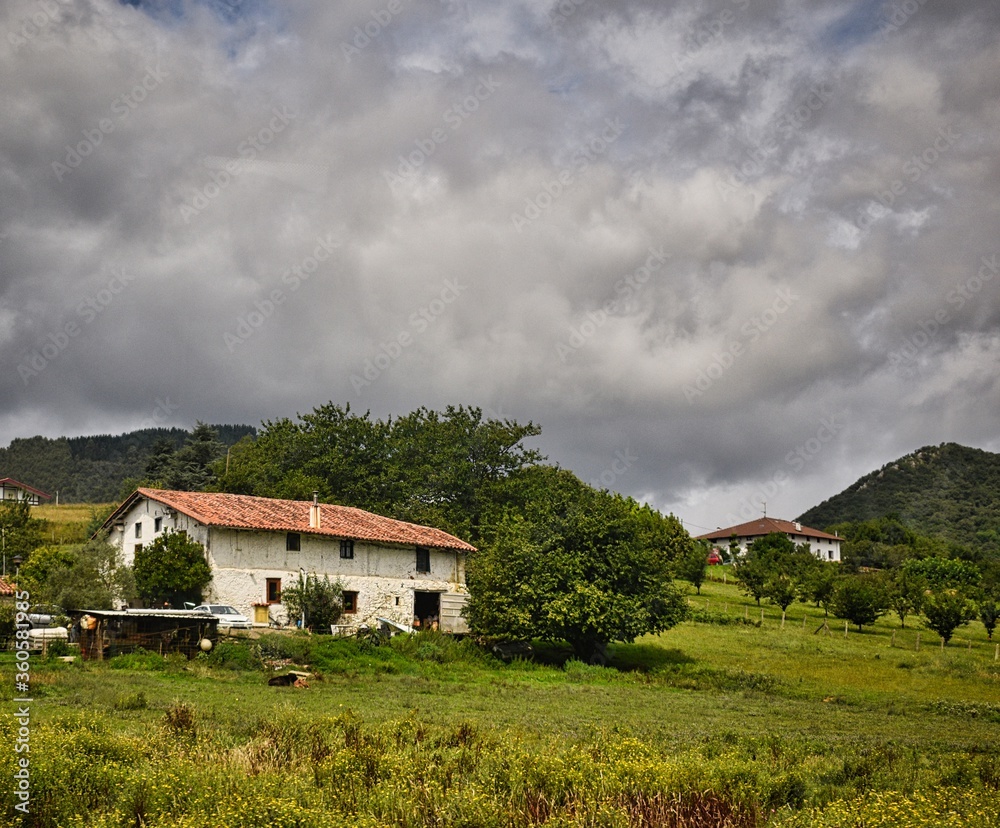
[721, 251]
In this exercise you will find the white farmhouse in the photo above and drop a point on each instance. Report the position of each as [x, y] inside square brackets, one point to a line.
[11, 489]
[823, 545]
[255, 546]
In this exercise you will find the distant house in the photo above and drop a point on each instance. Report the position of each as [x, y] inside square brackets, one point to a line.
[256, 546]
[11, 489]
[823, 545]
[8, 589]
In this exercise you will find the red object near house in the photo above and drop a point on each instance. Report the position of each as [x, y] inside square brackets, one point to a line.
[713, 558]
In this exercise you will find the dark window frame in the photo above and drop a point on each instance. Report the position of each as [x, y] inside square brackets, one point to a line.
[350, 602]
[347, 549]
[423, 560]
[272, 591]
[293, 542]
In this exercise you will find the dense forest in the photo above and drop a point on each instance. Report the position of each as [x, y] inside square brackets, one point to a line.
[948, 491]
[94, 469]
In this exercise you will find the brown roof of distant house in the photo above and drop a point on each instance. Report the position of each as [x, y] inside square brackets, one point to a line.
[10, 481]
[270, 514]
[765, 526]
[7, 587]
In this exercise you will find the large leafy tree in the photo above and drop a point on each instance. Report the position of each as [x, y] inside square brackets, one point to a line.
[563, 561]
[445, 468]
[774, 568]
[171, 568]
[906, 589]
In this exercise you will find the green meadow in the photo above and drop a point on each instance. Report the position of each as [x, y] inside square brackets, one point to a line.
[724, 720]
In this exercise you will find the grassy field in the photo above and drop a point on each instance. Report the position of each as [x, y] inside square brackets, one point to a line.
[725, 720]
[67, 522]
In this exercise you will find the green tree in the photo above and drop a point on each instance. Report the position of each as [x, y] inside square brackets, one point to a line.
[191, 467]
[818, 582]
[906, 590]
[781, 589]
[20, 533]
[321, 603]
[989, 613]
[565, 562]
[94, 577]
[691, 565]
[774, 568]
[945, 610]
[860, 599]
[944, 573]
[171, 568]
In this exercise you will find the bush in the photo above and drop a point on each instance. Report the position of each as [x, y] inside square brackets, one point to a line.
[131, 701]
[275, 647]
[139, 659]
[236, 655]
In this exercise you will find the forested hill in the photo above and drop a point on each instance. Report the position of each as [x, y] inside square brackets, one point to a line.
[950, 491]
[93, 469]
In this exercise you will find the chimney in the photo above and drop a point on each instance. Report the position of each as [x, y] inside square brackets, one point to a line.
[314, 512]
[798, 526]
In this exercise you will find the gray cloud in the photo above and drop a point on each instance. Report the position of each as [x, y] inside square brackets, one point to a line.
[243, 210]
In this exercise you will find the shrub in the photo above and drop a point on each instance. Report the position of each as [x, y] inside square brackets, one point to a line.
[236, 655]
[139, 659]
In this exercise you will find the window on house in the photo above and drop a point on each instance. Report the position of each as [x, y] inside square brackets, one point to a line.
[293, 542]
[138, 549]
[347, 549]
[157, 524]
[423, 560]
[274, 590]
[138, 530]
[350, 602]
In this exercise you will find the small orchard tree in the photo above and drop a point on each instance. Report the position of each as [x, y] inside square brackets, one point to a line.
[860, 599]
[989, 613]
[906, 593]
[171, 569]
[690, 566]
[321, 603]
[945, 610]
[781, 589]
[818, 582]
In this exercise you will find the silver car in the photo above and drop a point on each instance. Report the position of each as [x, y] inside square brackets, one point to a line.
[228, 617]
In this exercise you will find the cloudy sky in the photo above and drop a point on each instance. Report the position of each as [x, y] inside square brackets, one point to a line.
[721, 252]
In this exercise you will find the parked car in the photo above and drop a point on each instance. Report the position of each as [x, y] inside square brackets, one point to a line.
[229, 618]
[714, 558]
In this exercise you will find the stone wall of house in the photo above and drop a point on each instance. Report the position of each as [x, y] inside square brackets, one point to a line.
[384, 576]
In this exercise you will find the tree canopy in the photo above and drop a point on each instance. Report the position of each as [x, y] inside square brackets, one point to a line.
[171, 568]
[563, 561]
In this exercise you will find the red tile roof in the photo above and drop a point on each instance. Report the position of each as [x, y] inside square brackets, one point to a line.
[270, 514]
[10, 481]
[7, 587]
[764, 526]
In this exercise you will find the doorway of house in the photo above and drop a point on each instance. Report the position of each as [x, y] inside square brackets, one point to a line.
[427, 609]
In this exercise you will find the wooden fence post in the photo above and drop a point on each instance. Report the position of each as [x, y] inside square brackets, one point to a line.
[918, 642]
[845, 629]
[782, 619]
[893, 644]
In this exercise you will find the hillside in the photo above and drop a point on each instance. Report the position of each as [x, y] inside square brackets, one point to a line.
[92, 469]
[950, 491]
